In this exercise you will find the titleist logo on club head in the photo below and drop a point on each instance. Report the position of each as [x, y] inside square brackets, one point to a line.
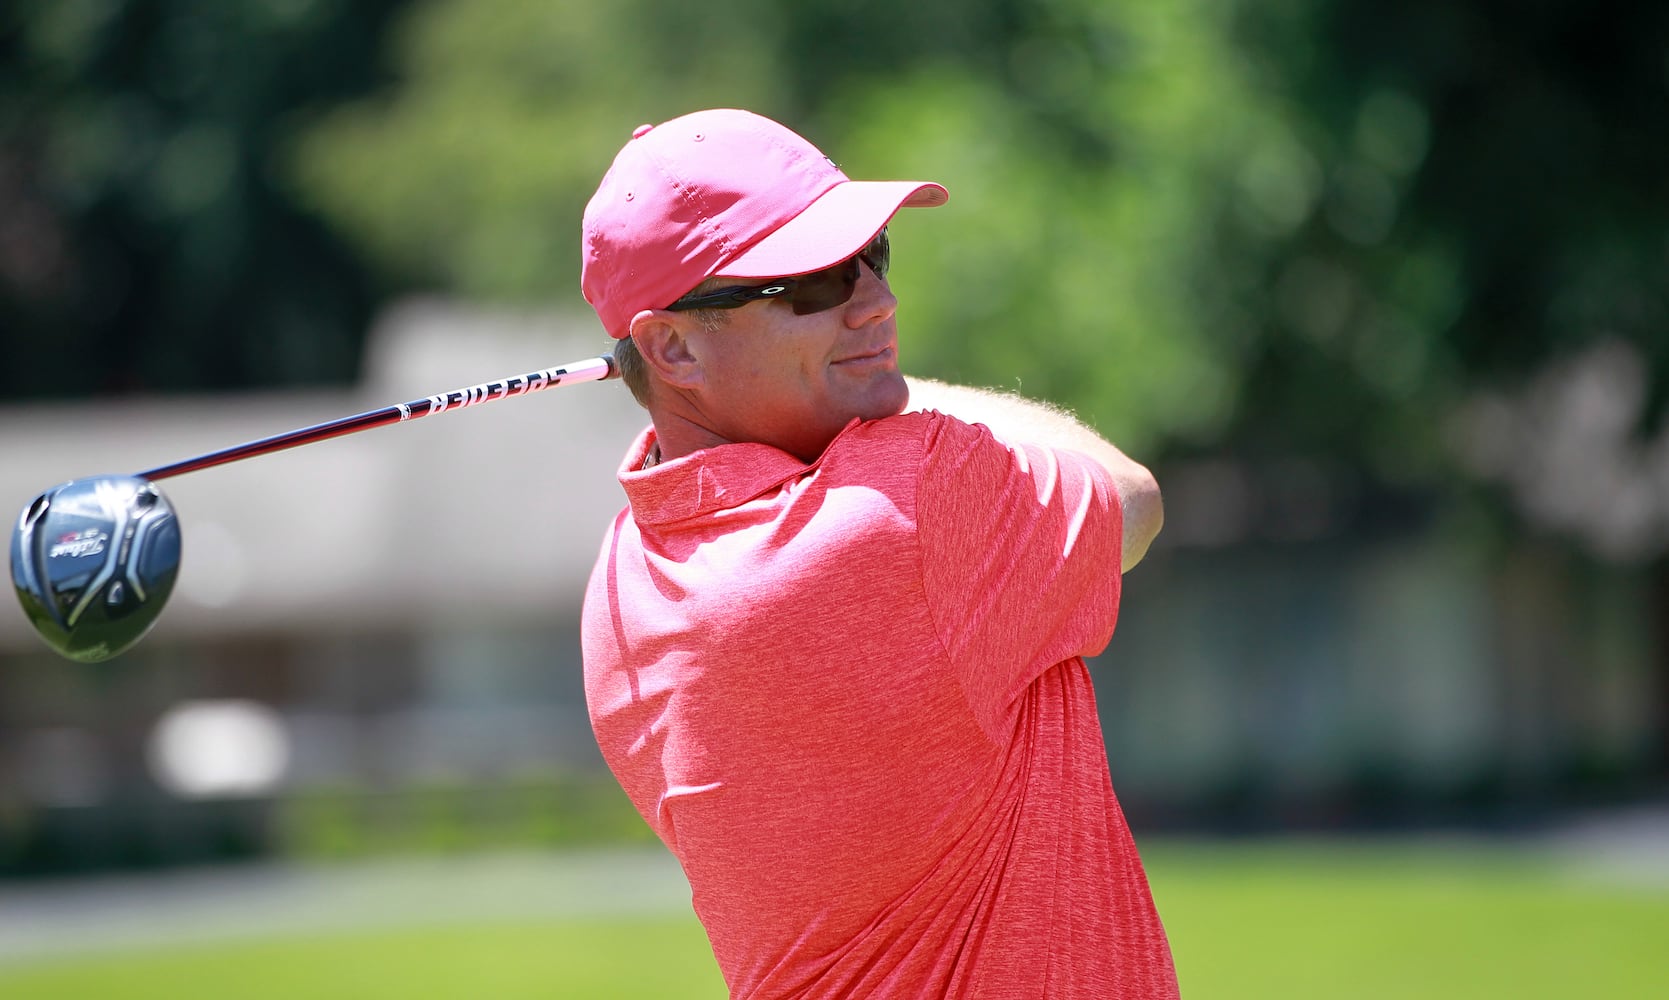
[79, 543]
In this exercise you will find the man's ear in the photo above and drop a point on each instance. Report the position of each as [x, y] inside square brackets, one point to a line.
[663, 338]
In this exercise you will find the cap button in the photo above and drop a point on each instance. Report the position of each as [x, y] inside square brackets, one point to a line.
[641, 131]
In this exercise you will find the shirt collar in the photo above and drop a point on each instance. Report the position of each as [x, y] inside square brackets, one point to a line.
[704, 481]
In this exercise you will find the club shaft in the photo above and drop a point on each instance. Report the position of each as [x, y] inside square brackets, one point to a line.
[589, 370]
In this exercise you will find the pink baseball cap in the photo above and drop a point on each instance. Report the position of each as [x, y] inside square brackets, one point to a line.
[724, 192]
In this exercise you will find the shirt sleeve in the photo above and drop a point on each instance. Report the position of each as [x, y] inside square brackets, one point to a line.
[1021, 558]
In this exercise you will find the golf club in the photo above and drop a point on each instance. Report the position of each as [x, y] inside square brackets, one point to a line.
[94, 559]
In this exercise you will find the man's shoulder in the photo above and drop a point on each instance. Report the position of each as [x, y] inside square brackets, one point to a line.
[901, 428]
[903, 441]
[898, 455]
[918, 429]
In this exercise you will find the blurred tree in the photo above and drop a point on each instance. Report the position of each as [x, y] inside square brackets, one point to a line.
[471, 174]
[1491, 200]
[1092, 149]
[1307, 227]
[146, 240]
[1089, 147]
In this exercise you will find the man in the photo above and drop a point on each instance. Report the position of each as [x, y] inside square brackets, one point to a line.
[834, 646]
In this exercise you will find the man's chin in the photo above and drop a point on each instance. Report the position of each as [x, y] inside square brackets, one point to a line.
[887, 398]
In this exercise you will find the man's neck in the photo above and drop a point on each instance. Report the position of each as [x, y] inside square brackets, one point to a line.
[677, 436]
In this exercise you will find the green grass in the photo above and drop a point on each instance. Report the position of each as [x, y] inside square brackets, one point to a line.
[1369, 923]
[1292, 921]
[661, 958]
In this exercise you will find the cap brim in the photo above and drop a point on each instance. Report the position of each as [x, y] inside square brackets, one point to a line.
[834, 227]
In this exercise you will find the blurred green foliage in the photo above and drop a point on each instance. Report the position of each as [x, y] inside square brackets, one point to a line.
[1308, 226]
[472, 172]
[149, 239]
[1089, 148]
[1314, 227]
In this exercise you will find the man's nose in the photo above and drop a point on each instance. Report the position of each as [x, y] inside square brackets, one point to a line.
[872, 299]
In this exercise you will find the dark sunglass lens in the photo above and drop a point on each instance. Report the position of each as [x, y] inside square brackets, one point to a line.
[825, 289]
[833, 286]
[878, 254]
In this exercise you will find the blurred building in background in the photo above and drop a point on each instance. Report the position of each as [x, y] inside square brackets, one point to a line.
[390, 611]
[373, 645]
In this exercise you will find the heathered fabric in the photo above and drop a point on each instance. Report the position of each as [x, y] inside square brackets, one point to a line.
[850, 697]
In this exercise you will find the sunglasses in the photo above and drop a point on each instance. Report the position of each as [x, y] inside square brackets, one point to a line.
[807, 293]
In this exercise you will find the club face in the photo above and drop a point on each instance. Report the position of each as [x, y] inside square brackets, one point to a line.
[94, 561]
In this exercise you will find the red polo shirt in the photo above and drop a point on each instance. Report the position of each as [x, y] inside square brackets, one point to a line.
[851, 698]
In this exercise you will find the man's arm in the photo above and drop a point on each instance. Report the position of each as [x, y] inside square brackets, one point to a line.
[1015, 419]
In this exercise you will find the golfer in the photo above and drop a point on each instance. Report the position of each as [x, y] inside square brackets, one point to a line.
[834, 644]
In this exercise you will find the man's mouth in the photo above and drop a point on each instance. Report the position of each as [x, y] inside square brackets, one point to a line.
[885, 354]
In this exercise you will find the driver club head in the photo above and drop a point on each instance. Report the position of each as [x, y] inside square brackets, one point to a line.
[94, 561]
